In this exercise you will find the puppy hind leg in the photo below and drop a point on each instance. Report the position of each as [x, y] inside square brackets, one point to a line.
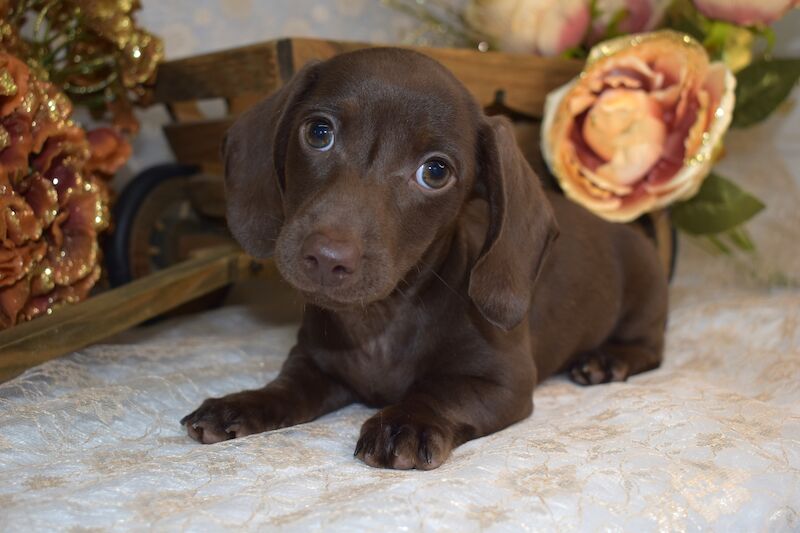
[614, 361]
[636, 344]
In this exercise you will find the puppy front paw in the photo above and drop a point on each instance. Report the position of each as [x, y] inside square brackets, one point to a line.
[597, 367]
[232, 416]
[394, 438]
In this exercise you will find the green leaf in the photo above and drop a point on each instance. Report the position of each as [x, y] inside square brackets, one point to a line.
[717, 38]
[741, 238]
[684, 17]
[762, 87]
[768, 34]
[720, 206]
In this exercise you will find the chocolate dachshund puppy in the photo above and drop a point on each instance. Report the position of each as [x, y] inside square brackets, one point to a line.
[442, 282]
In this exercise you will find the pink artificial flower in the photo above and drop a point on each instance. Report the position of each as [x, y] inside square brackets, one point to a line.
[542, 27]
[637, 130]
[746, 12]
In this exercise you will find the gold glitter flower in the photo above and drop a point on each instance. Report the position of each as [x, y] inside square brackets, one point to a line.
[53, 198]
[91, 49]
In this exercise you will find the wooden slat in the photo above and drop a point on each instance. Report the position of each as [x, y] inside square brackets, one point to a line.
[207, 194]
[197, 143]
[186, 111]
[525, 79]
[261, 68]
[220, 74]
[242, 102]
[73, 327]
[663, 234]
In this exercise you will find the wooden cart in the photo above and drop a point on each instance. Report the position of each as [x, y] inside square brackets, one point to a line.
[228, 83]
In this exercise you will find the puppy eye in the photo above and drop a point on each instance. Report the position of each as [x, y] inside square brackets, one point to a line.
[433, 174]
[319, 135]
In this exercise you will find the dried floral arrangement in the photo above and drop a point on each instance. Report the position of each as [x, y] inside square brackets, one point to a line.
[54, 197]
[642, 126]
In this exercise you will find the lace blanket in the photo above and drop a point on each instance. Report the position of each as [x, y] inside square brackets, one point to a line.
[710, 441]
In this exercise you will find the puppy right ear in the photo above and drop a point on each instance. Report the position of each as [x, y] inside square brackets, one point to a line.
[252, 152]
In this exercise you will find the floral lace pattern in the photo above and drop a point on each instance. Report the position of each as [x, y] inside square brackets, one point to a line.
[710, 439]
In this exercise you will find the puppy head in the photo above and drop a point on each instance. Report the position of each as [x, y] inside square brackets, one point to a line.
[350, 172]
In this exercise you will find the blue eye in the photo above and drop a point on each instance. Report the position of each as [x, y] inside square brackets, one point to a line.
[319, 135]
[433, 174]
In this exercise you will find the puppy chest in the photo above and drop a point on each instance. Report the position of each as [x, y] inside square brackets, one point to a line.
[380, 371]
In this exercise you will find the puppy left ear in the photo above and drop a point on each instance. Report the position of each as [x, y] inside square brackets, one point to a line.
[253, 153]
[521, 230]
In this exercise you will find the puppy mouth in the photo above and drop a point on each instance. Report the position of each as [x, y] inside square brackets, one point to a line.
[349, 295]
[332, 303]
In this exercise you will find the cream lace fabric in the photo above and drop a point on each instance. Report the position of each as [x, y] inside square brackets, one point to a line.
[710, 441]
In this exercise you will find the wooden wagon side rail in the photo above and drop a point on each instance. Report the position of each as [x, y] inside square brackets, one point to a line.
[259, 69]
[242, 76]
[76, 326]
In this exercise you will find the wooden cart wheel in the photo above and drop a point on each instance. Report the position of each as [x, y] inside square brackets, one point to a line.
[157, 225]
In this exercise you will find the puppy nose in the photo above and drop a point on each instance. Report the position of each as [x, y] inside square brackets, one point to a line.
[329, 261]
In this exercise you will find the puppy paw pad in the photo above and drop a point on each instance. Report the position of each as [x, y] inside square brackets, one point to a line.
[597, 368]
[402, 443]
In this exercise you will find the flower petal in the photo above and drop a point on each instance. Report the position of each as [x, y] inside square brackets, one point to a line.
[637, 130]
[745, 12]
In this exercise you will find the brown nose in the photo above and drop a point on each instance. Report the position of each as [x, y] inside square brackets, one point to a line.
[329, 261]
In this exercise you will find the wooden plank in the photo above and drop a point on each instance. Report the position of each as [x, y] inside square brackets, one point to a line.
[73, 327]
[524, 79]
[222, 74]
[197, 143]
[207, 194]
[664, 237]
[240, 103]
[259, 69]
[187, 111]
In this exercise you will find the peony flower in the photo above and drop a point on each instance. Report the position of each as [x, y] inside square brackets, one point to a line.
[44, 303]
[49, 112]
[18, 222]
[53, 200]
[14, 76]
[638, 128]
[15, 143]
[746, 12]
[640, 16]
[17, 262]
[543, 27]
[68, 142]
[109, 151]
[42, 196]
[12, 301]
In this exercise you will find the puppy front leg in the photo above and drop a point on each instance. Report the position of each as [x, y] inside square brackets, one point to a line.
[438, 415]
[300, 393]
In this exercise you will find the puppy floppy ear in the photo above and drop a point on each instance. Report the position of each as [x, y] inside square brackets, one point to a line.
[522, 228]
[253, 153]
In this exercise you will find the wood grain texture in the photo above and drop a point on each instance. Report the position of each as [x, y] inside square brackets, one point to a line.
[198, 143]
[222, 74]
[245, 75]
[524, 79]
[73, 327]
[664, 235]
[261, 68]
